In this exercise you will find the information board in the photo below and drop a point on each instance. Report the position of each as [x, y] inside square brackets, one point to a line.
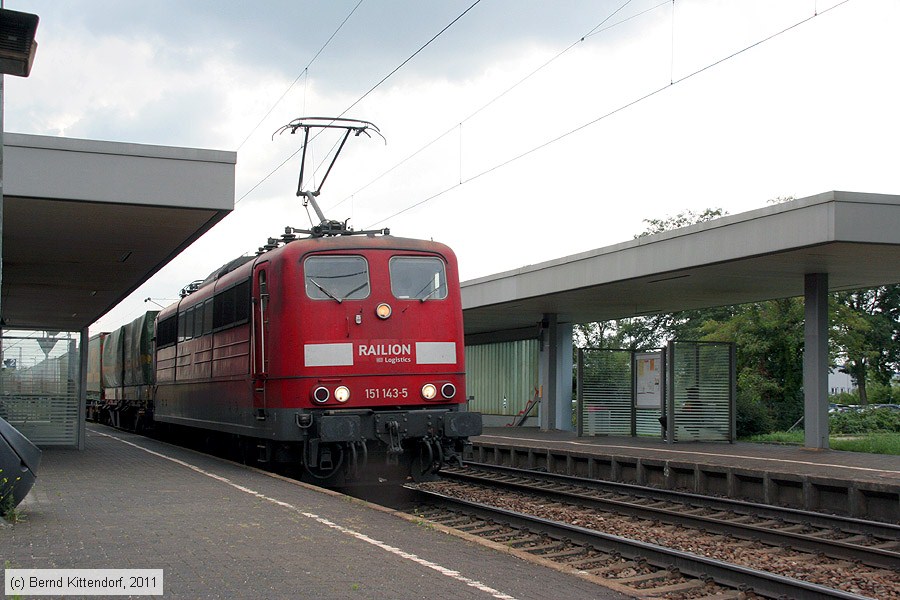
[648, 388]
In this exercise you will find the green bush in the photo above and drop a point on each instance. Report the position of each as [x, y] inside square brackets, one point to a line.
[870, 420]
[876, 393]
[879, 393]
[753, 416]
[846, 398]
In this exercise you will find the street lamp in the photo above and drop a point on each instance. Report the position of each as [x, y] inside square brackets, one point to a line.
[17, 43]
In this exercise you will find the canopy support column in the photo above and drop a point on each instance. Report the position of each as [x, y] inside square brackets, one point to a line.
[815, 361]
[556, 362]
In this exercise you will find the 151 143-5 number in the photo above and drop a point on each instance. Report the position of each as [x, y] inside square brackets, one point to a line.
[388, 393]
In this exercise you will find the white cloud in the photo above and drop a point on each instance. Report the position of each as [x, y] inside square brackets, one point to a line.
[809, 111]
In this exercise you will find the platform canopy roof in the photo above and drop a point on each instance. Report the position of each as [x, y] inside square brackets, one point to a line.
[86, 222]
[753, 256]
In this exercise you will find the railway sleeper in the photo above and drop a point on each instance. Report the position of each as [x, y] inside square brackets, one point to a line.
[770, 523]
[726, 595]
[592, 562]
[645, 577]
[442, 519]
[505, 537]
[743, 519]
[547, 549]
[859, 539]
[681, 586]
[458, 522]
[825, 534]
[525, 541]
[433, 514]
[797, 528]
[616, 568]
[481, 531]
[566, 553]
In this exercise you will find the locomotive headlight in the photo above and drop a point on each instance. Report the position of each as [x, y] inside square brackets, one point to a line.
[321, 395]
[429, 391]
[448, 390]
[383, 310]
[342, 394]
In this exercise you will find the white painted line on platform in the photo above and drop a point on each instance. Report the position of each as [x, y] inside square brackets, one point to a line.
[705, 454]
[360, 536]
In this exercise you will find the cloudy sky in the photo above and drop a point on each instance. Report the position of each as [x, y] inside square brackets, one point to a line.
[526, 131]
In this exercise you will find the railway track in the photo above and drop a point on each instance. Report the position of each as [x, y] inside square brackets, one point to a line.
[776, 552]
[870, 543]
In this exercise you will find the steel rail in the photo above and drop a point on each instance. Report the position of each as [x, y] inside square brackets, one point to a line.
[766, 584]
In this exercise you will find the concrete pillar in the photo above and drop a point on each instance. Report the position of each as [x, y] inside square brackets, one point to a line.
[556, 375]
[815, 361]
[82, 388]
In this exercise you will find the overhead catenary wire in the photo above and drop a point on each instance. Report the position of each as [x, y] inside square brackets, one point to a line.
[594, 31]
[621, 108]
[305, 71]
[401, 65]
[361, 98]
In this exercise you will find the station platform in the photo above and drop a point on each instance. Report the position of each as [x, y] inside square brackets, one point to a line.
[222, 530]
[850, 483]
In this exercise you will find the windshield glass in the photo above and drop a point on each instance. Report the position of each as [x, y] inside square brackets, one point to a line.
[418, 277]
[336, 277]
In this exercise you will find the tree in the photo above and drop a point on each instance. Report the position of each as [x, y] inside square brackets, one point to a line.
[866, 333]
[769, 340]
[682, 219]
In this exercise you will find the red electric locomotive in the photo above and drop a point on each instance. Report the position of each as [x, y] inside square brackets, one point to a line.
[342, 352]
[324, 352]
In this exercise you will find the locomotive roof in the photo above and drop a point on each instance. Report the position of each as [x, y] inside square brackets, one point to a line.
[347, 242]
[388, 242]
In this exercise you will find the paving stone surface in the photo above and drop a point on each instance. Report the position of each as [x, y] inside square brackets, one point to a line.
[220, 530]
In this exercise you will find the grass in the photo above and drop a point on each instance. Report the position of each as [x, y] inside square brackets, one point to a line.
[873, 443]
[8, 510]
[778, 437]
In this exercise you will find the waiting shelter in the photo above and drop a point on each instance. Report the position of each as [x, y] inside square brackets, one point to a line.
[682, 393]
[85, 223]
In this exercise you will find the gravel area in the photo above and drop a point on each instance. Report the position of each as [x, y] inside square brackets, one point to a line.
[821, 570]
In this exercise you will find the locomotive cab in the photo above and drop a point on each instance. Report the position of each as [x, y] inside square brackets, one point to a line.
[369, 354]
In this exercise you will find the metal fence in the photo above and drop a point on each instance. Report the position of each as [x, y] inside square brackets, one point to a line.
[684, 393]
[701, 391]
[605, 392]
[39, 383]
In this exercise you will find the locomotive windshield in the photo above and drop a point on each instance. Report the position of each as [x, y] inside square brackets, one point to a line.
[420, 278]
[337, 277]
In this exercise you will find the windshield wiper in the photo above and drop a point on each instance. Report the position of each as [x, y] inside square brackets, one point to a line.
[324, 291]
[429, 294]
[357, 288]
